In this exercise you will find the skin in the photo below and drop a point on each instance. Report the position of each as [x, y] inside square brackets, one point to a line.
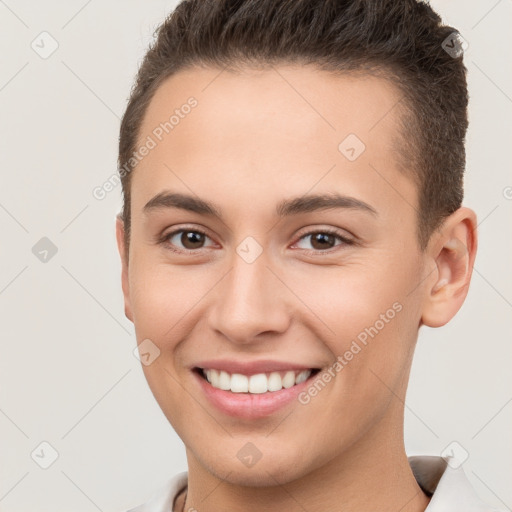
[255, 138]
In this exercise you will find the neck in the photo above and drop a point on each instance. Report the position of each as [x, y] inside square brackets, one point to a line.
[373, 474]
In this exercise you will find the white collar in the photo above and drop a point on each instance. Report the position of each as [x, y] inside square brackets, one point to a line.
[448, 484]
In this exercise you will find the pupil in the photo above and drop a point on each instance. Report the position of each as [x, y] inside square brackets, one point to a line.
[319, 237]
[190, 238]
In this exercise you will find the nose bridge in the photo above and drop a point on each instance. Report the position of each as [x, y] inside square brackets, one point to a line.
[249, 300]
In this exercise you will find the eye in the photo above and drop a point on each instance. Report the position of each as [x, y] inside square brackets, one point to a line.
[190, 239]
[325, 239]
[187, 240]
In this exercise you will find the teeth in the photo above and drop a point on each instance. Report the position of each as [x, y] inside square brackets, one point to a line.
[239, 383]
[258, 383]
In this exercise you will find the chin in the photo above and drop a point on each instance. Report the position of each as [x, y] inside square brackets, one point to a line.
[275, 469]
[261, 477]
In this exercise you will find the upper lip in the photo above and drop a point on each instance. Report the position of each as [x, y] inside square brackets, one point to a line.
[251, 367]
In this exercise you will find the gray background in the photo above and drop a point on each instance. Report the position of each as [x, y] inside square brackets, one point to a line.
[68, 376]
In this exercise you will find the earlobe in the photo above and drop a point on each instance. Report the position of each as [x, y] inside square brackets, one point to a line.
[453, 253]
[121, 241]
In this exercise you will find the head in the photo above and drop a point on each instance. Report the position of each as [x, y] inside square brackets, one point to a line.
[251, 108]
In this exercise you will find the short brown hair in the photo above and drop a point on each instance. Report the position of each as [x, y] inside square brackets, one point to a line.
[403, 40]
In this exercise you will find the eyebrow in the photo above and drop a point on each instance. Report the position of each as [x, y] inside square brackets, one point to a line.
[285, 208]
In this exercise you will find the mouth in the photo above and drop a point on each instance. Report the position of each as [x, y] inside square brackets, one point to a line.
[255, 384]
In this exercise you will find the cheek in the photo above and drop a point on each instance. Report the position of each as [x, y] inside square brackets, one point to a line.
[364, 315]
[161, 296]
[350, 297]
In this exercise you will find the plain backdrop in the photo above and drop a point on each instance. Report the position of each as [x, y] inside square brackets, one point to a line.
[68, 376]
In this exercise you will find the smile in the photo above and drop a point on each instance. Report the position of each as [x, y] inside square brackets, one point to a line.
[270, 393]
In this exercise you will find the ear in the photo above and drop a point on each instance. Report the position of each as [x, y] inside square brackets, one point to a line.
[453, 253]
[121, 245]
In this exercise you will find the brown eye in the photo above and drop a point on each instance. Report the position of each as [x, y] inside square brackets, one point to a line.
[184, 240]
[322, 241]
[192, 239]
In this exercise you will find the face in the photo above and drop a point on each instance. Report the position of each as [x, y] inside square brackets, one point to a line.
[269, 272]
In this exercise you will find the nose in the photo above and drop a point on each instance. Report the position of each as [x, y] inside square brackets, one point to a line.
[250, 301]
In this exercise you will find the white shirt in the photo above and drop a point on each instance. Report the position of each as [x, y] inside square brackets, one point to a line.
[450, 488]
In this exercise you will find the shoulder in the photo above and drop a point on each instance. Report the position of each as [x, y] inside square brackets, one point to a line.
[445, 480]
[162, 499]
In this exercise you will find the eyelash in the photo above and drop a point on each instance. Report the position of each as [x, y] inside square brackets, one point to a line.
[164, 240]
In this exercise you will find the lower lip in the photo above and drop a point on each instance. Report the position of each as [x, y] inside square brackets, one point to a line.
[251, 405]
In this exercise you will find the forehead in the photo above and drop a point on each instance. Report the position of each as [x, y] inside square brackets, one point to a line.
[269, 133]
